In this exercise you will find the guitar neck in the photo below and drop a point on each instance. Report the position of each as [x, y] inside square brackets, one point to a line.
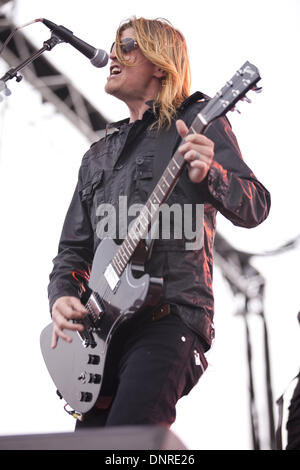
[150, 211]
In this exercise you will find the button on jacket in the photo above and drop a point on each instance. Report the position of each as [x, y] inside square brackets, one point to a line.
[118, 174]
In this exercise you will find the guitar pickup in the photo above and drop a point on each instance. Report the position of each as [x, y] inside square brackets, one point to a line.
[112, 278]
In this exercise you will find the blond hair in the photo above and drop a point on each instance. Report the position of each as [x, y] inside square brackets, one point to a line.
[166, 48]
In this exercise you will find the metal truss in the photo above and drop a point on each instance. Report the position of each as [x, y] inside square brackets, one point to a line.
[53, 86]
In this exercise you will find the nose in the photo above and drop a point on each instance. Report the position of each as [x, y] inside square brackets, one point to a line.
[112, 53]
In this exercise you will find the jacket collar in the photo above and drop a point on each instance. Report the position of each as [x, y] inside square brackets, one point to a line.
[198, 95]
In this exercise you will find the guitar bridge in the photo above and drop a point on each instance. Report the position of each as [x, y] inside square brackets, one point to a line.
[91, 321]
[94, 308]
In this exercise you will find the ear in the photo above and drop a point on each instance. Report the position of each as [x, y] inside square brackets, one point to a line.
[159, 73]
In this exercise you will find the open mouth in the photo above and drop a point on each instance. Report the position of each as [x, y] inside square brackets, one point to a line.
[115, 70]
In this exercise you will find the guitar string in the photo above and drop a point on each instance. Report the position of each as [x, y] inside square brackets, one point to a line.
[135, 232]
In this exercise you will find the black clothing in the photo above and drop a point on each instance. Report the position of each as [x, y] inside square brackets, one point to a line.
[173, 367]
[129, 162]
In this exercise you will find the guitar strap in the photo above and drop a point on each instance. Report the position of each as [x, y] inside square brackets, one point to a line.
[150, 239]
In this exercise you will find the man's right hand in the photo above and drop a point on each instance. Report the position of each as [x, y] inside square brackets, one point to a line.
[64, 310]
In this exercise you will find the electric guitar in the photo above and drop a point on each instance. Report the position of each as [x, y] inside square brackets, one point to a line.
[83, 370]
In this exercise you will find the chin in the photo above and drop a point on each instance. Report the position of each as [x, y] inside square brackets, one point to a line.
[111, 90]
[108, 88]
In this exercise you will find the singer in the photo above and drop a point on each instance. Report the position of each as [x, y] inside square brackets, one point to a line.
[162, 356]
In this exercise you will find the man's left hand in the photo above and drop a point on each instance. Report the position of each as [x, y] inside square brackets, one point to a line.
[197, 150]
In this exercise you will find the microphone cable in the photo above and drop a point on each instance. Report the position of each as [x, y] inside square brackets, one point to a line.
[14, 32]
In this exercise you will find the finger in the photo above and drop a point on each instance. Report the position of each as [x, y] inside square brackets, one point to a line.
[199, 164]
[57, 333]
[183, 131]
[63, 324]
[199, 139]
[78, 306]
[61, 321]
[68, 311]
[201, 149]
[194, 155]
[197, 174]
[69, 304]
[182, 128]
[54, 339]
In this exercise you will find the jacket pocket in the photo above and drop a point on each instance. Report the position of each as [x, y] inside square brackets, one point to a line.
[87, 192]
[91, 195]
[143, 177]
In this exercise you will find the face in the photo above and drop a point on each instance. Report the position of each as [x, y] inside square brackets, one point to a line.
[136, 82]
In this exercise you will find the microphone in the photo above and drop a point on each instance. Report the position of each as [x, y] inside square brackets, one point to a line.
[98, 57]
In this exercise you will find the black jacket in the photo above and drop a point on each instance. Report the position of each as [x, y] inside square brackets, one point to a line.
[128, 162]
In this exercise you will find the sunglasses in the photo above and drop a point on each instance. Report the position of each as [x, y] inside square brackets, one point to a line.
[127, 45]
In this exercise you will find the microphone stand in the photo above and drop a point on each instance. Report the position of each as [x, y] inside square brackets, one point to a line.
[13, 72]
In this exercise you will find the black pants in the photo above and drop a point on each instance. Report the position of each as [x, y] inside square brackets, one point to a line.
[162, 361]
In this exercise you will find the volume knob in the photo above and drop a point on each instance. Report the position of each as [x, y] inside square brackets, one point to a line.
[95, 378]
[85, 396]
[93, 359]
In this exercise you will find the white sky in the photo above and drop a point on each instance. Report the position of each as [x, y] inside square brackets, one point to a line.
[40, 153]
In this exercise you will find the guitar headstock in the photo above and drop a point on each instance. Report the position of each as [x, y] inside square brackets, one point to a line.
[235, 89]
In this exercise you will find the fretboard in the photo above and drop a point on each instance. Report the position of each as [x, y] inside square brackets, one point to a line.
[142, 224]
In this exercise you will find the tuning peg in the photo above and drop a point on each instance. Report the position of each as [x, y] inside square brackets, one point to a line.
[257, 89]
[246, 99]
[235, 109]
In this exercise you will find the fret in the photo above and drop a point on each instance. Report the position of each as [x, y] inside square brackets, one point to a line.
[146, 207]
[163, 193]
[170, 172]
[126, 249]
[199, 123]
[168, 177]
[155, 196]
[130, 241]
[115, 267]
[135, 232]
[123, 254]
[140, 228]
[122, 262]
[128, 246]
[165, 181]
[144, 228]
[146, 221]
[116, 262]
[176, 163]
[119, 269]
[152, 205]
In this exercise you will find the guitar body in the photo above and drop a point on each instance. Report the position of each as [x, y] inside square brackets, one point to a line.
[77, 368]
